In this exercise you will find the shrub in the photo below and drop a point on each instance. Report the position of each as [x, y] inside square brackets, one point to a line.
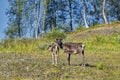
[101, 66]
[56, 34]
[42, 46]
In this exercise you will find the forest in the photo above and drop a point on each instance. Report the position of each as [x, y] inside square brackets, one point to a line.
[34, 18]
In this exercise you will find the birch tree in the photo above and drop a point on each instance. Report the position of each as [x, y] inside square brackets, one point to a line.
[103, 12]
[44, 16]
[84, 13]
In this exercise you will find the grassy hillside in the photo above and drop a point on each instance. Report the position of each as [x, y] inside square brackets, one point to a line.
[29, 59]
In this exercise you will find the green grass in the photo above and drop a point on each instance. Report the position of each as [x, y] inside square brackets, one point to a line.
[29, 59]
[101, 66]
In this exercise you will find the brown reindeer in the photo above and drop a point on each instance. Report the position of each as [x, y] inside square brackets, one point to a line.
[72, 48]
[55, 53]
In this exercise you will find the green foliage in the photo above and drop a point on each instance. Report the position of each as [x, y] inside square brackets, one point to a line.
[15, 15]
[11, 31]
[56, 34]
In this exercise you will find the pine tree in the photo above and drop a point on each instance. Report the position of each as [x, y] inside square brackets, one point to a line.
[15, 14]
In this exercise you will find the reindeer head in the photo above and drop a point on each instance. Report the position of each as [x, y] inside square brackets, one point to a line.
[59, 42]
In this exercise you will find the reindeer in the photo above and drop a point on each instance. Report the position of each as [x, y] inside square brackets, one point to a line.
[55, 53]
[72, 48]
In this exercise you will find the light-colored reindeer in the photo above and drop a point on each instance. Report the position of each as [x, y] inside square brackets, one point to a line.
[54, 48]
[72, 48]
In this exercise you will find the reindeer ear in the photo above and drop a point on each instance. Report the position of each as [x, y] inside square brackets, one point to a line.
[56, 39]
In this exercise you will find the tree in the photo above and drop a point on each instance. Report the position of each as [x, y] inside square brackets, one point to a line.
[96, 11]
[36, 14]
[52, 14]
[44, 16]
[33, 12]
[11, 32]
[15, 14]
[35, 17]
[114, 9]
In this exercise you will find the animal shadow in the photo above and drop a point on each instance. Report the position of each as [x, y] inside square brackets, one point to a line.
[88, 65]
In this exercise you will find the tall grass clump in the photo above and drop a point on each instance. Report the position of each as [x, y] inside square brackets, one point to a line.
[101, 66]
[106, 43]
[19, 46]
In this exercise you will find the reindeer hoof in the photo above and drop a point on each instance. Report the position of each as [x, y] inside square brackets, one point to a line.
[83, 65]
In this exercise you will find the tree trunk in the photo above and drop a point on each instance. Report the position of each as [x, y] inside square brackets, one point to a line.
[70, 13]
[103, 12]
[54, 14]
[19, 15]
[37, 10]
[84, 15]
[44, 18]
[36, 22]
[19, 28]
[39, 4]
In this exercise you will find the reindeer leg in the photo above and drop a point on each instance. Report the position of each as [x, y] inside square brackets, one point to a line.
[83, 58]
[53, 59]
[56, 59]
[68, 58]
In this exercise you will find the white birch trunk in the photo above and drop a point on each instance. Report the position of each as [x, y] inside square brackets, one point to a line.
[84, 15]
[44, 17]
[103, 12]
[36, 29]
[36, 22]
